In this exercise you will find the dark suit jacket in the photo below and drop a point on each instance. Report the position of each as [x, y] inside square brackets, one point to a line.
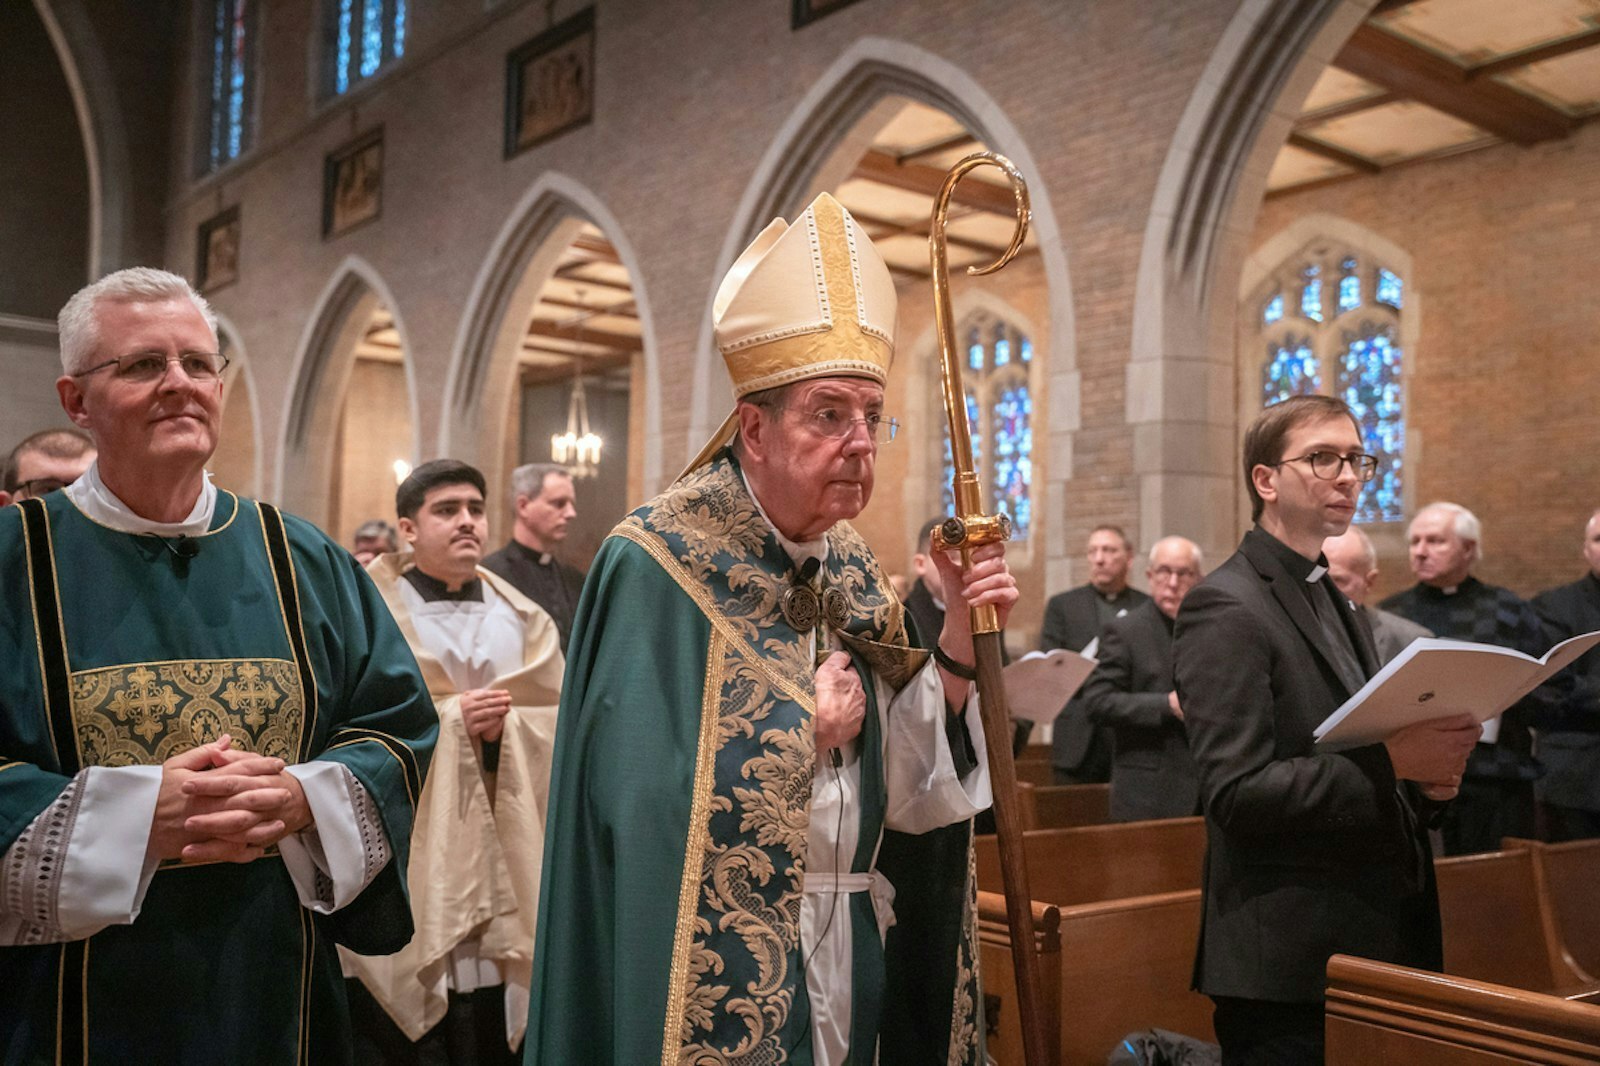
[1309, 854]
[1152, 774]
[928, 615]
[1071, 622]
[1570, 750]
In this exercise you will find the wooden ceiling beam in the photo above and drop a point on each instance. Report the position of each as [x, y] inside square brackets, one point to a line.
[920, 229]
[1528, 56]
[914, 177]
[960, 140]
[1383, 7]
[1353, 160]
[584, 335]
[570, 273]
[1308, 119]
[622, 309]
[549, 375]
[1404, 68]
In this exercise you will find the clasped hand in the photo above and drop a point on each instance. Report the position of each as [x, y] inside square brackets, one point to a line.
[483, 712]
[218, 804]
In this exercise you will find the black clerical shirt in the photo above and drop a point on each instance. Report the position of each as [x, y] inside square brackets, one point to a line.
[539, 576]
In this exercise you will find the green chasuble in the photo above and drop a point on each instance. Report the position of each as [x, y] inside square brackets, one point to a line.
[675, 851]
[117, 651]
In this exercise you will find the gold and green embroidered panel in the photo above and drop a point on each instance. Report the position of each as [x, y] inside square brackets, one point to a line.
[141, 714]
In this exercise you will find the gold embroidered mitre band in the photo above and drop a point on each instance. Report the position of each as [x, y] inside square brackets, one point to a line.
[808, 300]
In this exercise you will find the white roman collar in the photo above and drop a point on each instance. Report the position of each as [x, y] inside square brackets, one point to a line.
[92, 497]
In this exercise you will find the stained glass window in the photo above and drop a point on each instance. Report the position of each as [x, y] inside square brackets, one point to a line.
[1000, 420]
[232, 82]
[1389, 289]
[1369, 381]
[1291, 370]
[1350, 350]
[1349, 286]
[364, 36]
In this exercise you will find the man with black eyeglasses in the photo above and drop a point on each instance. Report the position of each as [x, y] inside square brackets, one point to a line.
[48, 460]
[1497, 790]
[1310, 853]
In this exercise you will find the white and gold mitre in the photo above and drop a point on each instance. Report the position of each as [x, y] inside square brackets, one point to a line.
[808, 300]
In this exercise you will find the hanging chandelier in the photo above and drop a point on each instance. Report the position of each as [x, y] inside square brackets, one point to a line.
[578, 449]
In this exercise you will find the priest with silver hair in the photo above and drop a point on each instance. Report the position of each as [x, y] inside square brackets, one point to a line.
[761, 801]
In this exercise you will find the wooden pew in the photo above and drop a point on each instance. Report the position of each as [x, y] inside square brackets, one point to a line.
[999, 980]
[1379, 1013]
[1571, 872]
[1499, 926]
[1035, 773]
[1093, 863]
[1035, 753]
[1126, 966]
[1049, 806]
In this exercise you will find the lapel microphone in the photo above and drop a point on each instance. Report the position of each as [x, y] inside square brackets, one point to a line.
[185, 548]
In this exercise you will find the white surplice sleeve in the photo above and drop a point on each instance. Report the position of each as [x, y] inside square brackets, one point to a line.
[80, 866]
[926, 789]
[345, 848]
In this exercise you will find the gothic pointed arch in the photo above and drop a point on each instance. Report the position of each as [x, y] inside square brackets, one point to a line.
[320, 380]
[1181, 377]
[483, 362]
[239, 459]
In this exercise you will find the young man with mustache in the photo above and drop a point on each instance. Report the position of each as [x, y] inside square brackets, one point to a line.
[492, 660]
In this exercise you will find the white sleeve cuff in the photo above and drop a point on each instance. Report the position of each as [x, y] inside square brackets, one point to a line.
[104, 875]
[334, 860]
[925, 792]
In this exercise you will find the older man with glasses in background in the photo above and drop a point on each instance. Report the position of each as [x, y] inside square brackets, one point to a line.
[1131, 693]
[212, 734]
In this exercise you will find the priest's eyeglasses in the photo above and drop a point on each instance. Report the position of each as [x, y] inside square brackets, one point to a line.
[1327, 465]
[142, 368]
[834, 423]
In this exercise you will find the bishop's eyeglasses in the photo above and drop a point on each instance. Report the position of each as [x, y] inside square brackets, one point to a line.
[835, 423]
[141, 368]
[1327, 465]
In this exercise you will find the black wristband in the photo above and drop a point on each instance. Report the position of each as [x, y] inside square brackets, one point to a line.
[961, 670]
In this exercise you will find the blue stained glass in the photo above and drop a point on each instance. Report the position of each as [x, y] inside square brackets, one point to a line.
[1002, 352]
[975, 352]
[1389, 289]
[1349, 286]
[1013, 456]
[236, 83]
[399, 28]
[341, 72]
[218, 56]
[1290, 370]
[1274, 311]
[1027, 350]
[975, 429]
[1369, 381]
[1311, 295]
[371, 37]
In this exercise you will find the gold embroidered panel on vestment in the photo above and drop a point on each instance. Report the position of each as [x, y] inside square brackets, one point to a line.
[141, 714]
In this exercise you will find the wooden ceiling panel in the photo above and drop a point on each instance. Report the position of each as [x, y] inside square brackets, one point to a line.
[1395, 132]
[1295, 166]
[1338, 88]
[916, 126]
[882, 201]
[1570, 82]
[1480, 31]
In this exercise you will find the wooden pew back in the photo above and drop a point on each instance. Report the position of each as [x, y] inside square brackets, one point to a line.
[1379, 1013]
[1126, 966]
[999, 979]
[1047, 806]
[1572, 880]
[1498, 925]
[1093, 863]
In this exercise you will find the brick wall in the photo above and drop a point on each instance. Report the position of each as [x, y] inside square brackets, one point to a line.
[1505, 380]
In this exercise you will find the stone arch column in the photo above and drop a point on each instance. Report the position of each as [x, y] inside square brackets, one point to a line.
[242, 372]
[1182, 381]
[522, 259]
[321, 375]
[806, 154]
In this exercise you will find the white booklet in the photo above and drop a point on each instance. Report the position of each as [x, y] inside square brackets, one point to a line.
[1435, 678]
[1040, 683]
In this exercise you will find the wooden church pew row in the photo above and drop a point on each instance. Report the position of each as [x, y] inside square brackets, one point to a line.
[1035, 753]
[1571, 872]
[1047, 806]
[1499, 925]
[1032, 772]
[1093, 863]
[998, 979]
[1380, 1013]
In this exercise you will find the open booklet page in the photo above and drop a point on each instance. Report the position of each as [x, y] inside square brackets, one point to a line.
[1040, 683]
[1435, 678]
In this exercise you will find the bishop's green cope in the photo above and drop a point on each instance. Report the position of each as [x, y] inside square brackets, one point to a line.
[270, 633]
[669, 913]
